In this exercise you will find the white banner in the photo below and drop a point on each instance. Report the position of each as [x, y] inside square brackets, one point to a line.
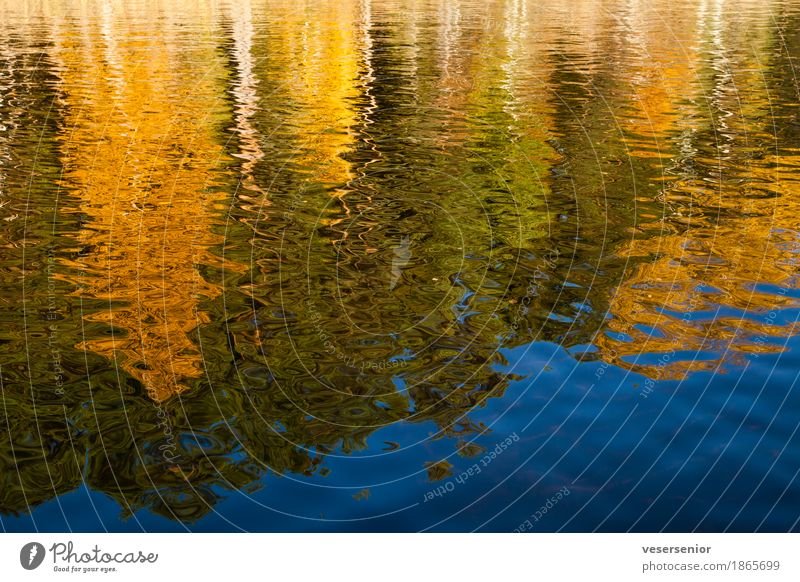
[401, 557]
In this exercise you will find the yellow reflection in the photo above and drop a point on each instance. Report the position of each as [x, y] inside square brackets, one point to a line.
[322, 77]
[716, 279]
[663, 68]
[140, 151]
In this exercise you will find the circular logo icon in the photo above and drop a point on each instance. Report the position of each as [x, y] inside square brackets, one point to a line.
[31, 555]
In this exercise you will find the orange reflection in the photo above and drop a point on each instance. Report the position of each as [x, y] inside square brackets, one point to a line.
[322, 78]
[140, 150]
[715, 282]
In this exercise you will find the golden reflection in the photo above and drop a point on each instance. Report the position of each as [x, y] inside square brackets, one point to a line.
[322, 78]
[140, 150]
[714, 284]
[663, 59]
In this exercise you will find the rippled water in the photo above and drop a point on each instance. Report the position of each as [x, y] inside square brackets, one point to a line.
[399, 265]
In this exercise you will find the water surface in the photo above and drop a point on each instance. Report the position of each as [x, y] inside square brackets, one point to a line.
[399, 265]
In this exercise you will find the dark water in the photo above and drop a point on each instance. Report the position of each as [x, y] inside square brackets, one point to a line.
[399, 265]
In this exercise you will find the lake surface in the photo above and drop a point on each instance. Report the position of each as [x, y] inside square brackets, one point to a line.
[399, 265]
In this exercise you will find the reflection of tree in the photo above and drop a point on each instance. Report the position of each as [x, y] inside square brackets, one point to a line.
[724, 251]
[392, 210]
[141, 153]
[137, 173]
[38, 371]
[335, 347]
[280, 418]
[423, 349]
[348, 387]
